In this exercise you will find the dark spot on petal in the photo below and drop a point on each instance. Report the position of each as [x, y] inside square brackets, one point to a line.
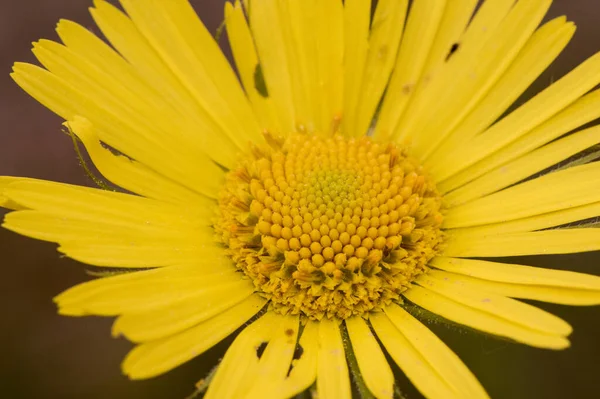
[261, 349]
[259, 81]
[298, 352]
[383, 52]
[453, 49]
[289, 332]
[297, 355]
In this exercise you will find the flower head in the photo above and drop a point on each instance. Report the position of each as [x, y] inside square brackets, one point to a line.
[360, 167]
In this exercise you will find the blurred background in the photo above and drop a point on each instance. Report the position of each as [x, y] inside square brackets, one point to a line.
[43, 355]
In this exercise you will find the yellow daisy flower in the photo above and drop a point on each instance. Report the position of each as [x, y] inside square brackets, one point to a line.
[363, 167]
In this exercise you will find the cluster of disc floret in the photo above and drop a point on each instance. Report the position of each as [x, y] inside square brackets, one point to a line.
[329, 226]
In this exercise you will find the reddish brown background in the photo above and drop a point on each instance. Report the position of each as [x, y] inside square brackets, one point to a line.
[43, 355]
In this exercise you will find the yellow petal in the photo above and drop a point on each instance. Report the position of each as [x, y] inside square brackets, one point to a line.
[102, 206]
[127, 39]
[132, 175]
[386, 31]
[481, 320]
[540, 51]
[520, 281]
[124, 132]
[448, 366]
[330, 51]
[113, 296]
[531, 223]
[300, 29]
[485, 53]
[241, 367]
[267, 27]
[157, 357]
[241, 359]
[137, 255]
[87, 61]
[422, 25]
[509, 309]
[105, 228]
[333, 380]
[65, 230]
[93, 67]
[539, 109]
[276, 359]
[80, 292]
[190, 51]
[357, 20]
[492, 61]
[519, 274]
[525, 166]
[417, 368]
[304, 370]
[582, 111]
[559, 241]
[374, 368]
[552, 192]
[173, 316]
[246, 61]
[6, 202]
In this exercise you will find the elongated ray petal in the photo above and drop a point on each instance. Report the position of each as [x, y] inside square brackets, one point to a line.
[115, 297]
[170, 317]
[121, 130]
[417, 368]
[582, 111]
[449, 367]
[473, 71]
[520, 274]
[514, 311]
[93, 67]
[534, 197]
[135, 48]
[539, 52]
[267, 27]
[276, 360]
[333, 379]
[190, 51]
[6, 202]
[537, 222]
[246, 60]
[357, 19]
[478, 319]
[304, 370]
[482, 27]
[254, 373]
[525, 166]
[520, 281]
[386, 30]
[103, 206]
[560, 241]
[536, 111]
[374, 368]
[421, 28]
[156, 357]
[241, 360]
[132, 175]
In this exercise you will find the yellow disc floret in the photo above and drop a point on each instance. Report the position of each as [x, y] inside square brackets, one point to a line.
[330, 226]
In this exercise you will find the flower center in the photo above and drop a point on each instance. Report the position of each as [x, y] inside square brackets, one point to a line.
[330, 226]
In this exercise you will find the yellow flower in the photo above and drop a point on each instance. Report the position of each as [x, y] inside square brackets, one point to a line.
[362, 170]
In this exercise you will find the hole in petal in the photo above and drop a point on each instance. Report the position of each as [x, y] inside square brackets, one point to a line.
[261, 349]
